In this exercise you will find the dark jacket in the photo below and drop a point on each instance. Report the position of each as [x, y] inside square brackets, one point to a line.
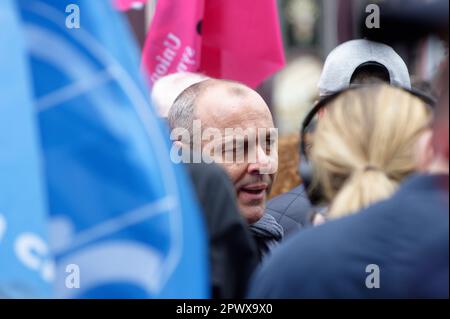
[267, 234]
[405, 237]
[291, 210]
[233, 252]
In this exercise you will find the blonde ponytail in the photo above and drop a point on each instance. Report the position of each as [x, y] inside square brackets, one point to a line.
[363, 146]
[361, 189]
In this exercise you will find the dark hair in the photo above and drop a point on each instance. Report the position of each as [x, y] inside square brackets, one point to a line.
[370, 73]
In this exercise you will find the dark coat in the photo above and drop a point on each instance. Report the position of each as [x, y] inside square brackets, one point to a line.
[233, 252]
[292, 210]
[406, 237]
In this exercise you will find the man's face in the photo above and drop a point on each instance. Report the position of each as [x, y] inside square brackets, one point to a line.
[248, 143]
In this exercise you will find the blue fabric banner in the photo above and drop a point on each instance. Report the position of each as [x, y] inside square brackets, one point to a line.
[123, 220]
[26, 268]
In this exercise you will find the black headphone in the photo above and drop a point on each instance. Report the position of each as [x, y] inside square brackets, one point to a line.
[306, 167]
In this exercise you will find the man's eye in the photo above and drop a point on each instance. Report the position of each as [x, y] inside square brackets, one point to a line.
[241, 146]
[230, 148]
[270, 142]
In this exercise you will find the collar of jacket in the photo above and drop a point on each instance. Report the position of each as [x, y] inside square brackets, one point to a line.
[268, 227]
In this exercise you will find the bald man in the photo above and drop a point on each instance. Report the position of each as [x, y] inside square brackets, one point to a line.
[236, 127]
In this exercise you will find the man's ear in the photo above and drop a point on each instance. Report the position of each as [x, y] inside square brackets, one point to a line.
[424, 151]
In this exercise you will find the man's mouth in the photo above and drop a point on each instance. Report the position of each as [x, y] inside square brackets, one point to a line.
[253, 192]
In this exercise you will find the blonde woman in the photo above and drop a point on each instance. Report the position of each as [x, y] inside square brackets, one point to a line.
[363, 146]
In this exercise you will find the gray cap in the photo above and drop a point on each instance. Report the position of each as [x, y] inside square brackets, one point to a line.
[342, 62]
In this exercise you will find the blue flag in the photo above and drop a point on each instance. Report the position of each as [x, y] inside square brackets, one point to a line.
[123, 220]
[25, 264]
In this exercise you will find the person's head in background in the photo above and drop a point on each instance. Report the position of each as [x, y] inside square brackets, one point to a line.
[167, 89]
[291, 104]
[433, 147]
[355, 63]
[364, 145]
[359, 62]
[223, 105]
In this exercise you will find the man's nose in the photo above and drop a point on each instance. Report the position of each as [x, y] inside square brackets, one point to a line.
[263, 163]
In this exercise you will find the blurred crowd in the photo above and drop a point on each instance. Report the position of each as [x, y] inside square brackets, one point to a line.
[357, 202]
[328, 181]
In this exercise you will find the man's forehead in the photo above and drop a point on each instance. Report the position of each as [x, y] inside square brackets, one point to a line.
[221, 106]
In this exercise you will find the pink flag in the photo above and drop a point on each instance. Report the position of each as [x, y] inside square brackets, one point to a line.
[228, 39]
[127, 4]
[173, 42]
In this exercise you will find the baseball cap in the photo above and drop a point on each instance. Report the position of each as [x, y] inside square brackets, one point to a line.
[345, 59]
